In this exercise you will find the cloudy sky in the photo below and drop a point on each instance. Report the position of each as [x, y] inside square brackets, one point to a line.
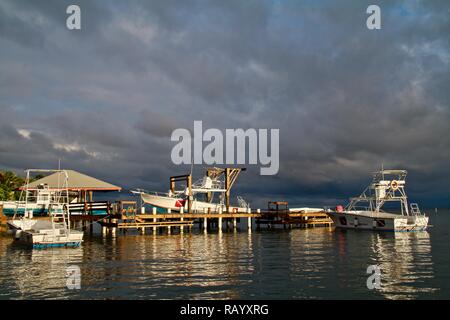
[105, 99]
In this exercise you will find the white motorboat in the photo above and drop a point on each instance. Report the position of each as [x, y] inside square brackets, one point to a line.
[45, 234]
[208, 185]
[52, 232]
[39, 200]
[175, 202]
[387, 186]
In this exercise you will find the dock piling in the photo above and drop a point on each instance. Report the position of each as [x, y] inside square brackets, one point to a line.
[220, 219]
[154, 219]
[121, 220]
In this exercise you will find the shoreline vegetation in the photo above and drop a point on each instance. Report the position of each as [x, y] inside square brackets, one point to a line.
[10, 182]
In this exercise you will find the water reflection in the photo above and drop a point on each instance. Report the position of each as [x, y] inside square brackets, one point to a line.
[406, 264]
[310, 265]
[38, 273]
[166, 263]
[279, 264]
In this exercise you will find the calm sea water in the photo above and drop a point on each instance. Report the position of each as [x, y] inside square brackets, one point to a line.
[320, 263]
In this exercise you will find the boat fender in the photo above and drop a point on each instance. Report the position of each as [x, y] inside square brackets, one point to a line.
[235, 210]
[355, 222]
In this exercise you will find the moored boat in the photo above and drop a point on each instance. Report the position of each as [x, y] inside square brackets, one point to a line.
[38, 202]
[177, 201]
[207, 188]
[53, 232]
[387, 186]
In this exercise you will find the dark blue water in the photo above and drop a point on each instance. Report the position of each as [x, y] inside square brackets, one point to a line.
[318, 263]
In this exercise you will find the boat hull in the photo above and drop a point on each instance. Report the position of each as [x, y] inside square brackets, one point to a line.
[11, 208]
[378, 221]
[40, 210]
[15, 227]
[175, 204]
[47, 238]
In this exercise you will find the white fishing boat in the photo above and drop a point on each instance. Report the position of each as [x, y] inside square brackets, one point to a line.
[211, 186]
[365, 211]
[39, 200]
[46, 233]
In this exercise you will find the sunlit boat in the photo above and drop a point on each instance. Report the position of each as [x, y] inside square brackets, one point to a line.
[387, 186]
[206, 186]
[54, 232]
[39, 200]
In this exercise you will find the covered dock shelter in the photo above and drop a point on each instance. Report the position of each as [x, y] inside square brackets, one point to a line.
[81, 187]
[78, 182]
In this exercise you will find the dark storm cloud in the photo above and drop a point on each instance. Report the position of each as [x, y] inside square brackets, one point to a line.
[346, 99]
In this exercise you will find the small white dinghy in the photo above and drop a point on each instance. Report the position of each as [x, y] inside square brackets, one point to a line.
[54, 232]
[387, 186]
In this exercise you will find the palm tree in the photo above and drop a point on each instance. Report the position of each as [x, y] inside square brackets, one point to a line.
[9, 183]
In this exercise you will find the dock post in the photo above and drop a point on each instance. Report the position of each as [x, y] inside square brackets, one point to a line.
[104, 230]
[181, 219]
[258, 224]
[154, 219]
[205, 223]
[114, 229]
[220, 219]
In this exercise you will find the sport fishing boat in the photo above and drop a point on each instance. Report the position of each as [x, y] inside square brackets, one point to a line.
[54, 232]
[365, 211]
[208, 187]
[38, 203]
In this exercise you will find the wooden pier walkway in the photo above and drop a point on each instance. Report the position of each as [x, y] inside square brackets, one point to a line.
[126, 216]
[128, 219]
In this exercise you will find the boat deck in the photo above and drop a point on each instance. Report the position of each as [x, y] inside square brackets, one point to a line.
[374, 214]
[207, 220]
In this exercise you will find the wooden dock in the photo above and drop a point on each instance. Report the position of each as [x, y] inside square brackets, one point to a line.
[126, 216]
[126, 219]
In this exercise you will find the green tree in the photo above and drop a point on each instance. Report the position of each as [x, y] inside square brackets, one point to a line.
[9, 182]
